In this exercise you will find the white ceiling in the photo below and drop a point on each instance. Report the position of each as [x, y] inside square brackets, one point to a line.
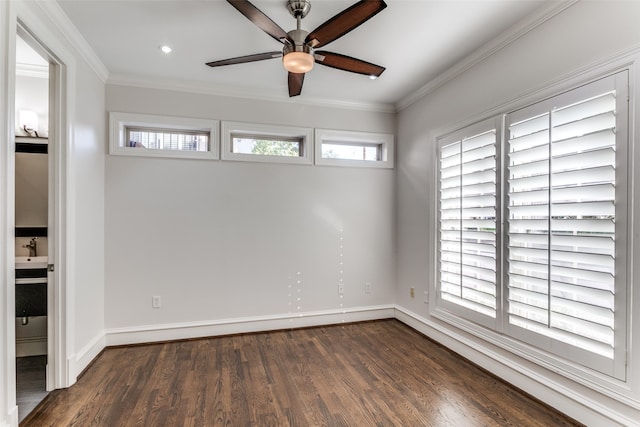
[415, 40]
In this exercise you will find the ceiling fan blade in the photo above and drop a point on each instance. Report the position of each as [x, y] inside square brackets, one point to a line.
[295, 83]
[261, 20]
[344, 22]
[347, 63]
[247, 58]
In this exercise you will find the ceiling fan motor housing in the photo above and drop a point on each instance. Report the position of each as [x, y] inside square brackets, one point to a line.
[297, 56]
[297, 47]
[298, 37]
[299, 8]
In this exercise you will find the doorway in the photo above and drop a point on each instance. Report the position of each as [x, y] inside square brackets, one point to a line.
[33, 220]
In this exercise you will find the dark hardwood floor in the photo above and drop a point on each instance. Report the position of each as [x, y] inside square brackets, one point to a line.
[378, 373]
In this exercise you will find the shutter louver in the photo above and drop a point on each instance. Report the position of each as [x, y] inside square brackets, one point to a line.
[561, 223]
[468, 223]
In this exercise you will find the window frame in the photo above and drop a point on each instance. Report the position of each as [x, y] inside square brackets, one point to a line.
[384, 141]
[569, 364]
[120, 121]
[264, 131]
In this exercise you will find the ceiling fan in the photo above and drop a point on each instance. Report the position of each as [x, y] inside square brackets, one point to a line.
[299, 52]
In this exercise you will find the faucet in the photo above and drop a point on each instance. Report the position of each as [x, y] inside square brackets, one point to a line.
[32, 247]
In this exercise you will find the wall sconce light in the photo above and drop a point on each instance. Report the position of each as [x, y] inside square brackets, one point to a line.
[29, 122]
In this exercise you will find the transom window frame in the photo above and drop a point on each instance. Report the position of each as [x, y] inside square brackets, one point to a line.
[611, 377]
[385, 142]
[232, 129]
[120, 121]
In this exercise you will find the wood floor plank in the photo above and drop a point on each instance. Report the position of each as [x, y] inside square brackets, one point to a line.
[378, 373]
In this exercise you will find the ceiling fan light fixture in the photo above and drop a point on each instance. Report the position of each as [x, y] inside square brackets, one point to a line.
[297, 58]
[298, 62]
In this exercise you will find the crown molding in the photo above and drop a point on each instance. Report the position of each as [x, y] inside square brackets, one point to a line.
[506, 38]
[60, 19]
[216, 90]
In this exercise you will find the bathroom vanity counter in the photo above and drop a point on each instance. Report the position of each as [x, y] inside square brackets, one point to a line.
[24, 262]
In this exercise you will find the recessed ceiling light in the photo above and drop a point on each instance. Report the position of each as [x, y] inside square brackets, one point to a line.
[165, 49]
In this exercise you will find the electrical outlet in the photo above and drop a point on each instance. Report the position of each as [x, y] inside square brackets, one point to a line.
[156, 301]
[412, 292]
[341, 288]
[367, 288]
[426, 297]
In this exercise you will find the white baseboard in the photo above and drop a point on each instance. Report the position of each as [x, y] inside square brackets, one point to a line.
[177, 331]
[12, 418]
[89, 352]
[545, 386]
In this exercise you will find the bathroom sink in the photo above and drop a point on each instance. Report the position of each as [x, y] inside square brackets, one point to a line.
[31, 262]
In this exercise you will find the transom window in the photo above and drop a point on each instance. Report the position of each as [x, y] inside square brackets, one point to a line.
[267, 146]
[253, 142]
[167, 139]
[351, 151]
[359, 149]
[147, 135]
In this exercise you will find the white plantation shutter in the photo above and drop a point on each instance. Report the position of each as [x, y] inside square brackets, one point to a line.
[533, 228]
[467, 222]
[566, 185]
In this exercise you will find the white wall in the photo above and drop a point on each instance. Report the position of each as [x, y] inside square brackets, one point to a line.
[32, 94]
[582, 35]
[87, 213]
[225, 240]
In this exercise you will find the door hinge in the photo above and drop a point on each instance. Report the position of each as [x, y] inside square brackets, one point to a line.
[51, 267]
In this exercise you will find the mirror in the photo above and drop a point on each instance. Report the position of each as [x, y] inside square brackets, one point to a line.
[32, 191]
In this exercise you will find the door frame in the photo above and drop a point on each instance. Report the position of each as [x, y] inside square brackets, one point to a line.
[58, 369]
